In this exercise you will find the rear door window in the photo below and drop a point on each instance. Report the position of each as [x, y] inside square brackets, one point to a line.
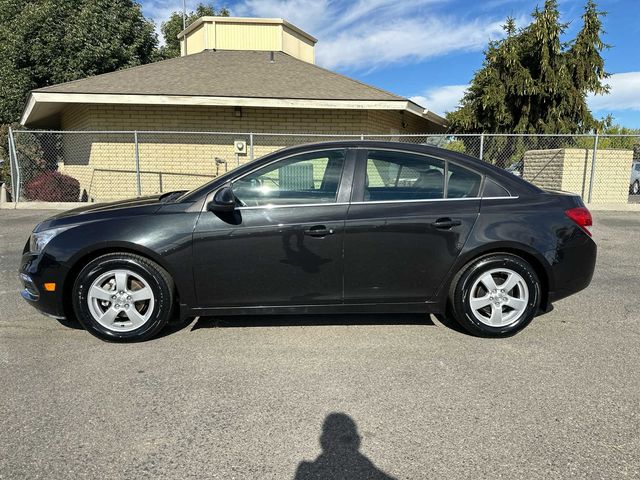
[463, 183]
[393, 176]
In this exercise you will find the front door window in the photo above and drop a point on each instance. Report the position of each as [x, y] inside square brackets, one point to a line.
[302, 179]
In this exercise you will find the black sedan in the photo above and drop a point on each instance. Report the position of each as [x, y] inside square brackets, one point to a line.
[338, 227]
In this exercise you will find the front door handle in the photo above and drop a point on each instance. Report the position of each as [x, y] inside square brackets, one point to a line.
[319, 231]
[446, 223]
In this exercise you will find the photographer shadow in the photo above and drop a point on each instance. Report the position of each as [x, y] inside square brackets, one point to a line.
[340, 457]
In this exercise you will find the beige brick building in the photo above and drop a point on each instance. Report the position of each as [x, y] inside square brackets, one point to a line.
[234, 75]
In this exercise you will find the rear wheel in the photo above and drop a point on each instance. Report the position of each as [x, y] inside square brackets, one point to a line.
[495, 296]
[123, 297]
[635, 188]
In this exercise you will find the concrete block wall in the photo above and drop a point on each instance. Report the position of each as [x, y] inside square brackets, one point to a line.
[570, 170]
[544, 168]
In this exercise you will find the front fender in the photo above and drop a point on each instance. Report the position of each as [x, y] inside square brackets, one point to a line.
[164, 238]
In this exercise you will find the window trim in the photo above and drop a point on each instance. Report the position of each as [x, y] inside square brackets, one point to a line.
[432, 200]
[423, 200]
[374, 202]
[271, 206]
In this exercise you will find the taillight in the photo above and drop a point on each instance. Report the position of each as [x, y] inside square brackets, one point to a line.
[581, 216]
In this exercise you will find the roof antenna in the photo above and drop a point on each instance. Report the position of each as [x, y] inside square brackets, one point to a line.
[272, 58]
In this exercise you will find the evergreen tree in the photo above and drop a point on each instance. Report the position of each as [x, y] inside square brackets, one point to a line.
[533, 82]
[587, 65]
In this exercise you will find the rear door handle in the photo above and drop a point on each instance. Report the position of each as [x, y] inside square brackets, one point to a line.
[319, 231]
[446, 223]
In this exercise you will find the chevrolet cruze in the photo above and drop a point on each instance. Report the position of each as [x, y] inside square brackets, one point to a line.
[338, 227]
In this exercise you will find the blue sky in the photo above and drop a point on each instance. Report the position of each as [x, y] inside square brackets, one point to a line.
[428, 50]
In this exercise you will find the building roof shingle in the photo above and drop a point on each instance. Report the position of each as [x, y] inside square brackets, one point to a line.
[228, 73]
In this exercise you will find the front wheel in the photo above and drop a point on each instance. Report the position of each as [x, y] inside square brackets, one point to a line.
[123, 297]
[635, 188]
[495, 296]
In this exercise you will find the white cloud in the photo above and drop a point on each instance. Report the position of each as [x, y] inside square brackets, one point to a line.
[441, 99]
[624, 93]
[309, 15]
[374, 45]
[367, 34]
[160, 10]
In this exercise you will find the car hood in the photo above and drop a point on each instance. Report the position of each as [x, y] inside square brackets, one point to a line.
[96, 211]
[101, 207]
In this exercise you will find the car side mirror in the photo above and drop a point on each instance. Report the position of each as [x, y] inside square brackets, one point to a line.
[223, 201]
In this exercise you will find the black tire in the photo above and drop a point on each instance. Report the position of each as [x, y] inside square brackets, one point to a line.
[460, 293]
[157, 279]
[635, 188]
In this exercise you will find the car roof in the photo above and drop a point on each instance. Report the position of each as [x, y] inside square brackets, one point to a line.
[499, 174]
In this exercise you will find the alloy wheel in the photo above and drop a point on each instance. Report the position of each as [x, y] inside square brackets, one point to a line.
[120, 300]
[499, 297]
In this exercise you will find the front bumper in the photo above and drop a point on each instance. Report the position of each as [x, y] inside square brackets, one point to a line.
[29, 290]
[34, 272]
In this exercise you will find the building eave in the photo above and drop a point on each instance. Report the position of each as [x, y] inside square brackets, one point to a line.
[28, 108]
[41, 105]
[435, 118]
[426, 113]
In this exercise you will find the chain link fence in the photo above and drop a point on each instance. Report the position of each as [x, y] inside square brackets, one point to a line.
[88, 166]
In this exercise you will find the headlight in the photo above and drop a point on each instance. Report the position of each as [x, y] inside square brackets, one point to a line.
[39, 240]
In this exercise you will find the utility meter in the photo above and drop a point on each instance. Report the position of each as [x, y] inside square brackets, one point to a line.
[240, 147]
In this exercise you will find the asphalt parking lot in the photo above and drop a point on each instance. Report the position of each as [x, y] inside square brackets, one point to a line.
[247, 397]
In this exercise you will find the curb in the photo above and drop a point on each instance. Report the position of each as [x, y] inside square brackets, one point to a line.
[613, 207]
[42, 205]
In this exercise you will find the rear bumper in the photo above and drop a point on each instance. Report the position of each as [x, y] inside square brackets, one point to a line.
[572, 266]
[34, 272]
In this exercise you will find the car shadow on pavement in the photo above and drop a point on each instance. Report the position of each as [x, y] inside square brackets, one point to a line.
[341, 456]
[70, 323]
[242, 321]
[249, 321]
[257, 321]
